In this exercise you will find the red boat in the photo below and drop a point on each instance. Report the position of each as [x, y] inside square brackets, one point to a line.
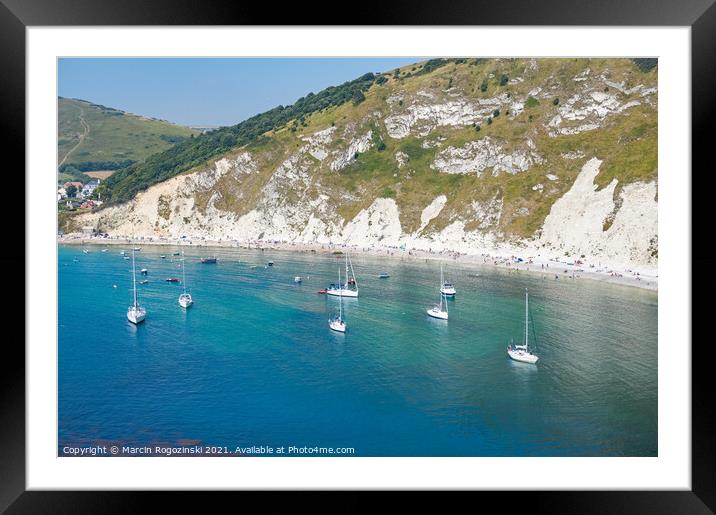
[323, 291]
[172, 280]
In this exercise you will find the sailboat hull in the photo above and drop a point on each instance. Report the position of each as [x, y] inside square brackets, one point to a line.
[437, 313]
[185, 301]
[136, 315]
[337, 325]
[522, 356]
[342, 292]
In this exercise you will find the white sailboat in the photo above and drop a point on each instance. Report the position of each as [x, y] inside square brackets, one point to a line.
[522, 352]
[349, 289]
[185, 299]
[337, 323]
[446, 288]
[437, 310]
[135, 313]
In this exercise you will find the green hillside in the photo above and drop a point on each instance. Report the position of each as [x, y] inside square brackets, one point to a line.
[543, 110]
[95, 137]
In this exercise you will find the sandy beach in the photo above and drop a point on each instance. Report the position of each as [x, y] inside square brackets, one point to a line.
[550, 268]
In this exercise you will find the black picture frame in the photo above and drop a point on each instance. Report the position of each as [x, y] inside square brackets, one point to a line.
[699, 15]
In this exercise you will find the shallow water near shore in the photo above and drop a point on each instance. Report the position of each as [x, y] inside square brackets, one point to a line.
[253, 362]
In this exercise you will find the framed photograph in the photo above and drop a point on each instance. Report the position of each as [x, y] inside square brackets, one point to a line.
[439, 253]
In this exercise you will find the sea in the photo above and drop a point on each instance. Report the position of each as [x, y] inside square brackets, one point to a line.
[252, 367]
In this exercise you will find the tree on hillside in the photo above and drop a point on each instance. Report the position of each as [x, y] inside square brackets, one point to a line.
[358, 97]
[71, 191]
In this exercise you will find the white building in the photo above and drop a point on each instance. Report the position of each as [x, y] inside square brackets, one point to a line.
[89, 188]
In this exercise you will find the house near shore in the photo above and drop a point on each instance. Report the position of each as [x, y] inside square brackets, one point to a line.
[76, 184]
[78, 188]
[61, 194]
[89, 188]
[88, 204]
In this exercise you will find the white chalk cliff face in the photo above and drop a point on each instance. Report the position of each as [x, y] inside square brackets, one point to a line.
[477, 156]
[293, 194]
[575, 225]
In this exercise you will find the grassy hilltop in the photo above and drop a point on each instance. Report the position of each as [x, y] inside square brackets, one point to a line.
[96, 137]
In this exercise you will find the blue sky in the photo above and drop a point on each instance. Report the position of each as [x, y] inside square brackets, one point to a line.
[207, 91]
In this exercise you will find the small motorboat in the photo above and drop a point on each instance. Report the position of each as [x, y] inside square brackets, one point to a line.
[144, 271]
[176, 254]
[270, 263]
[163, 256]
[125, 257]
[145, 281]
[322, 291]
[446, 287]
[208, 260]
[136, 249]
[85, 251]
[253, 267]
[297, 279]
[172, 280]
[104, 250]
[383, 275]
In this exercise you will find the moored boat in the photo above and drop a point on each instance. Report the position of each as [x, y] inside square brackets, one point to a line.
[350, 288]
[446, 287]
[523, 352]
[185, 299]
[337, 323]
[135, 313]
[437, 311]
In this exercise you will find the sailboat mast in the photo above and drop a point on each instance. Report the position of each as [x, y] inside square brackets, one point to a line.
[183, 273]
[134, 280]
[340, 298]
[527, 302]
[353, 274]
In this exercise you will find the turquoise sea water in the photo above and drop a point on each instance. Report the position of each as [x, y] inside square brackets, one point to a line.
[253, 362]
